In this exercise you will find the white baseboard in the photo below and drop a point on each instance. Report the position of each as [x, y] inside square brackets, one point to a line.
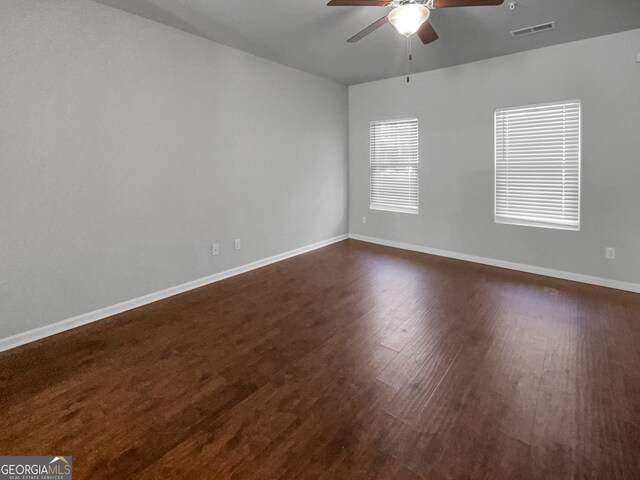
[547, 272]
[90, 317]
[59, 327]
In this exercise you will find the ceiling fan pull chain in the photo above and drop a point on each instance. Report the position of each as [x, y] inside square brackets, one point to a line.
[410, 58]
[410, 46]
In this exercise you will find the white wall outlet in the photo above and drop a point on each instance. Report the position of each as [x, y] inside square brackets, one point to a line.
[610, 253]
[237, 244]
[364, 220]
[215, 249]
[637, 57]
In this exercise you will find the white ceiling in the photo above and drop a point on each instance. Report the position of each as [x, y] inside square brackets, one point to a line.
[310, 36]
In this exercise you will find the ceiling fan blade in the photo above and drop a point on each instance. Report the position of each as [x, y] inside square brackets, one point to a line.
[374, 26]
[465, 3]
[427, 33]
[359, 3]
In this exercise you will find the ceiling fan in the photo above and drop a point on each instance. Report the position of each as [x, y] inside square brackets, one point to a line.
[409, 16]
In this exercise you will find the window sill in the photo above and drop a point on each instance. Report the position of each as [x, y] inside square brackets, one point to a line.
[533, 223]
[384, 208]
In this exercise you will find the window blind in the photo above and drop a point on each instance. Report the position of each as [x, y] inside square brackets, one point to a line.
[394, 165]
[537, 165]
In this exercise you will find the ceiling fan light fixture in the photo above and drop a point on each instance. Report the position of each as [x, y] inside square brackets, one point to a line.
[409, 18]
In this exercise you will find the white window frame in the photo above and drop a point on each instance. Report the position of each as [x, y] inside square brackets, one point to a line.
[515, 220]
[392, 207]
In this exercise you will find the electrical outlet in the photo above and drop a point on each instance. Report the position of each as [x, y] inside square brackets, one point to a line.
[610, 253]
[637, 57]
[237, 244]
[364, 220]
[215, 249]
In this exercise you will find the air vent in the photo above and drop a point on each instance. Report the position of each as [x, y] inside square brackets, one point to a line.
[535, 29]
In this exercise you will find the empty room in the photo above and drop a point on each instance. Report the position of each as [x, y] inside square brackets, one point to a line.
[292, 239]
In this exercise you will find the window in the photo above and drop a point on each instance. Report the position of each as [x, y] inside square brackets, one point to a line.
[538, 165]
[394, 165]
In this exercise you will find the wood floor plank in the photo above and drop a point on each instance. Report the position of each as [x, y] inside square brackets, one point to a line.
[354, 361]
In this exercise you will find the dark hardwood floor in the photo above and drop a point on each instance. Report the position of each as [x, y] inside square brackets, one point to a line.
[354, 361]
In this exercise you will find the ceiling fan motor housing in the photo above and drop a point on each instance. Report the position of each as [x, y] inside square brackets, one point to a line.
[399, 3]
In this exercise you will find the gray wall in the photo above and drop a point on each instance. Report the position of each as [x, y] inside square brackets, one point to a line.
[455, 108]
[127, 148]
